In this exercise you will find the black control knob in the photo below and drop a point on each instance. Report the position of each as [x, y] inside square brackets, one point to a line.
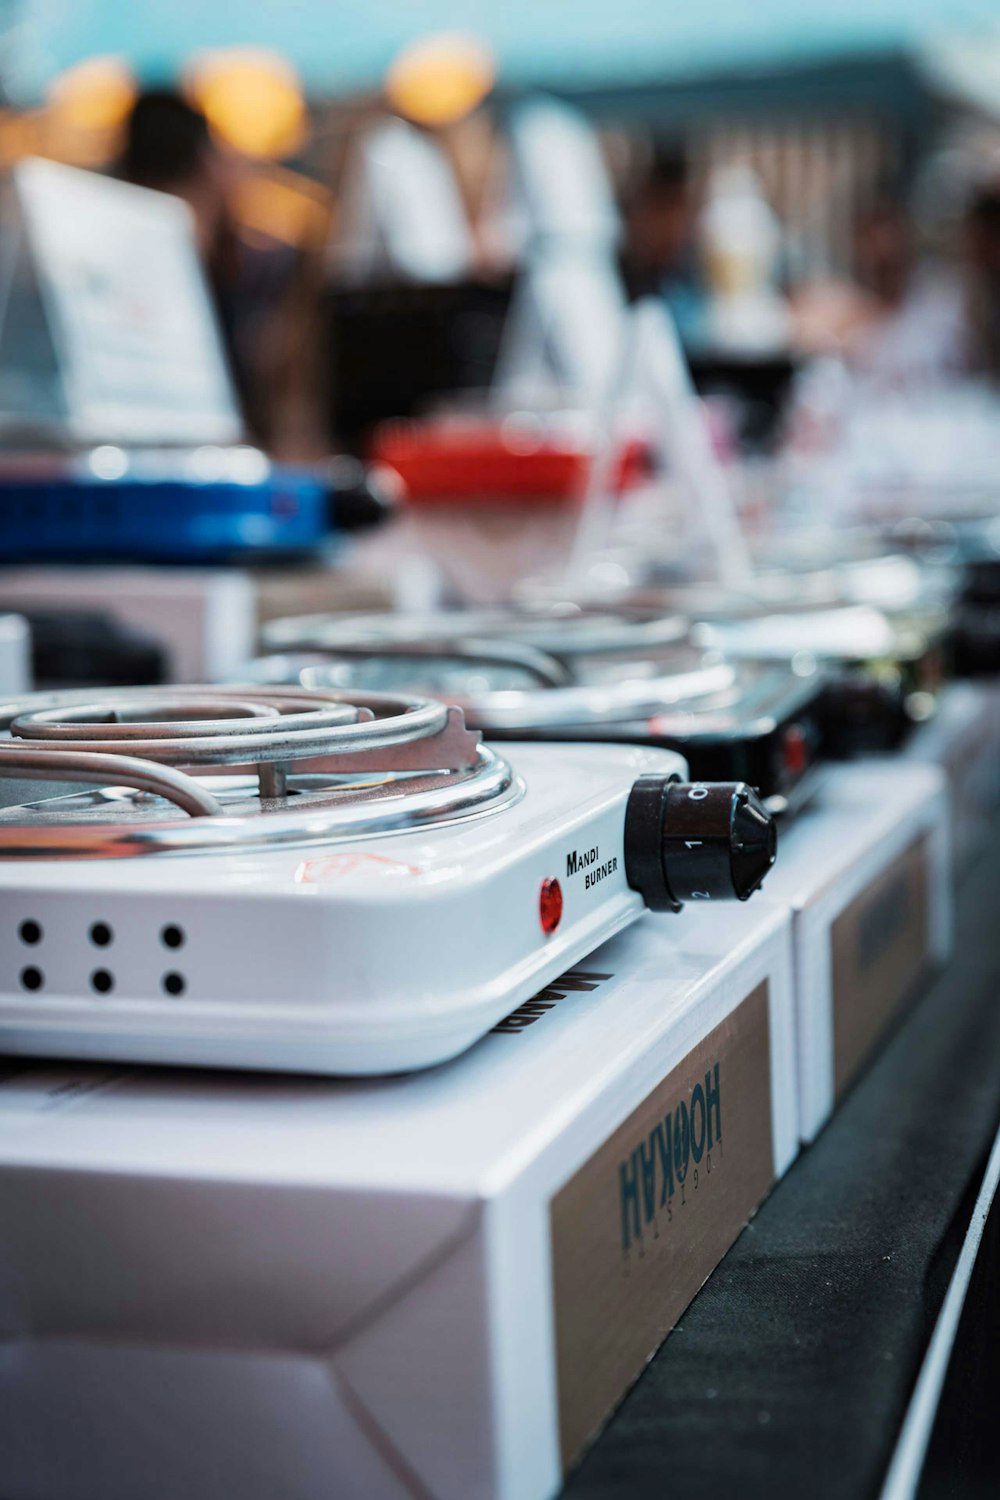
[696, 841]
[361, 495]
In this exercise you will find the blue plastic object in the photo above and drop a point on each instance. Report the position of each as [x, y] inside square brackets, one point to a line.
[161, 518]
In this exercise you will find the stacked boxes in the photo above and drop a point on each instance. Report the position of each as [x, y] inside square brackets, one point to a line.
[438, 1284]
[442, 1283]
[866, 872]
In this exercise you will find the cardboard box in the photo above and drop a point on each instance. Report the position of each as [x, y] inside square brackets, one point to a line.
[963, 739]
[311, 588]
[866, 869]
[439, 1285]
[205, 618]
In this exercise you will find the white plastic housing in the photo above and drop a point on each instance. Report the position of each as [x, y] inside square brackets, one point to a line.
[369, 955]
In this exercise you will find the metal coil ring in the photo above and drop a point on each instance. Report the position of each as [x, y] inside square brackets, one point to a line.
[271, 725]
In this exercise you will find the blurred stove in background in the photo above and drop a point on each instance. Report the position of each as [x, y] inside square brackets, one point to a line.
[971, 549]
[567, 674]
[880, 627]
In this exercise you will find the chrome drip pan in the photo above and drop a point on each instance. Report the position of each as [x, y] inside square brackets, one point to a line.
[583, 668]
[246, 767]
[696, 682]
[536, 668]
[563, 633]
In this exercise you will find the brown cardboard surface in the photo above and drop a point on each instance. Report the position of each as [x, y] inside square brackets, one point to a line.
[315, 589]
[639, 1227]
[880, 948]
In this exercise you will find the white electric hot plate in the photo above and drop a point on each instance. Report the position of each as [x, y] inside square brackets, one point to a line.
[321, 881]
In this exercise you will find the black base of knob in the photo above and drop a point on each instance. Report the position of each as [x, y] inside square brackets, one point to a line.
[361, 495]
[696, 841]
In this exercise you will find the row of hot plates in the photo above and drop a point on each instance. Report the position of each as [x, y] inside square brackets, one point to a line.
[404, 827]
[746, 693]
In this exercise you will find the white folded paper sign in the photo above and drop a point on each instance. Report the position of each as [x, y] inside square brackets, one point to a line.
[107, 330]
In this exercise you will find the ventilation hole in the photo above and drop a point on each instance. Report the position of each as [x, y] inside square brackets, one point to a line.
[172, 936]
[174, 984]
[30, 932]
[32, 978]
[101, 934]
[102, 980]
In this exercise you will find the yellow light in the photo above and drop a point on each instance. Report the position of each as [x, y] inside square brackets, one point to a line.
[22, 135]
[284, 206]
[251, 99]
[440, 79]
[94, 95]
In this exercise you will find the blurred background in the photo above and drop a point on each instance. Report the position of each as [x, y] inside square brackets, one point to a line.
[846, 160]
[571, 352]
[505, 254]
[636, 362]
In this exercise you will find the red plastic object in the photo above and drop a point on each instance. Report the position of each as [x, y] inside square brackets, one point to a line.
[443, 462]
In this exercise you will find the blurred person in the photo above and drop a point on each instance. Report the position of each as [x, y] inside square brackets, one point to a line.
[422, 189]
[742, 245]
[661, 252]
[912, 318]
[897, 320]
[476, 153]
[909, 325]
[981, 248]
[884, 251]
[168, 147]
[842, 315]
[422, 209]
[263, 291]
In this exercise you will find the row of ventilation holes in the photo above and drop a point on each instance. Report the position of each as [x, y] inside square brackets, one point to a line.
[102, 981]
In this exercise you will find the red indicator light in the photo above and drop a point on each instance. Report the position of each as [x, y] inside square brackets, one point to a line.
[796, 750]
[550, 906]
